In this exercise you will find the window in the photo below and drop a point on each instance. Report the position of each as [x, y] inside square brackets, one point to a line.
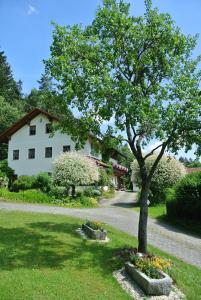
[66, 148]
[31, 153]
[48, 128]
[48, 152]
[16, 154]
[32, 130]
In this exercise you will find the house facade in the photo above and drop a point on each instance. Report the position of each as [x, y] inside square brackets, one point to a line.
[32, 148]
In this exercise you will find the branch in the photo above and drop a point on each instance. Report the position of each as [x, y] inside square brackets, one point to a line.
[153, 168]
[152, 151]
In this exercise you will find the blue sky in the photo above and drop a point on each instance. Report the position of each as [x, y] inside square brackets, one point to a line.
[26, 31]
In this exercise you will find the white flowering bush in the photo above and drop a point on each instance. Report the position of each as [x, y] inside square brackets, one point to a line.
[3, 180]
[73, 169]
[168, 172]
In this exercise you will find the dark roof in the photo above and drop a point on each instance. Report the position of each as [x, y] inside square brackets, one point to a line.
[23, 121]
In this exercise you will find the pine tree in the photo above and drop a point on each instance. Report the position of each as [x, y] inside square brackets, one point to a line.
[9, 88]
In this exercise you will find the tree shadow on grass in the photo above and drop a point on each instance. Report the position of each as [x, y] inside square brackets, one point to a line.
[52, 245]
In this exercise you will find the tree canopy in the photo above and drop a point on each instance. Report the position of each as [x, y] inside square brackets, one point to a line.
[9, 88]
[138, 72]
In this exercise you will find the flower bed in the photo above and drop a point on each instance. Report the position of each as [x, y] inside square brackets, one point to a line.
[94, 230]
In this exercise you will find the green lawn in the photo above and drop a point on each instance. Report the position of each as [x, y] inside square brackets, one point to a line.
[42, 257]
[155, 211]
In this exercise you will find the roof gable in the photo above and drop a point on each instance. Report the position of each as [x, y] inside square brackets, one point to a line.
[4, 137]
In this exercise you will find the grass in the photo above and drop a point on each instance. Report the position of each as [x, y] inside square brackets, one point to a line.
[41, 257]
[36, 196]
[159, 212]
[154, 211]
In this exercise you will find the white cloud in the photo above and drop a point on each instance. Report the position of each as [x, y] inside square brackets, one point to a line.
[31, 10]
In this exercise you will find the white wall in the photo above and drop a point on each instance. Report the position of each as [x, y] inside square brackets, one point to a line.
[22, 141]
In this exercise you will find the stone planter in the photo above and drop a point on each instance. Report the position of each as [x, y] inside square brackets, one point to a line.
[150, 286]
[99, 234]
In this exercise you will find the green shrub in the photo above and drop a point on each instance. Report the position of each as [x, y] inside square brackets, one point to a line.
[58, 192]
[83, 201]
[104, 178]
[167, 173]
[184, 201]
[43, 181]
[76, 202]
[3, 180]
[91, 192]
[4, 168]
[31, 196]
[24, 183]
[35, 196]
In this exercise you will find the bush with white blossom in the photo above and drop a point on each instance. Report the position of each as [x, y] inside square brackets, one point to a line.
[73, 169]
[168, 172]
[3, 180]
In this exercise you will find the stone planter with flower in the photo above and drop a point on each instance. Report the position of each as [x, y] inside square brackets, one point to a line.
[148, 272]
[94, 230]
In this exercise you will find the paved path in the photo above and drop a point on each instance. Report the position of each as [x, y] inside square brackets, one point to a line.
[113, 212]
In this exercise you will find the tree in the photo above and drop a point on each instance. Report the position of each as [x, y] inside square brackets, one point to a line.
[73, 169]
[45, 83]
[9, 88]
[190, 163]
[168, 172]
[44, 97]
[9, 114]
[137, 72]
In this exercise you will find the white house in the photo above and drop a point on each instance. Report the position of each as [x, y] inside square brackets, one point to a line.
[32, 148]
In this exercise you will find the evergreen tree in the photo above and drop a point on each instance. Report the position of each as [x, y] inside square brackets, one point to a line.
[9, 88]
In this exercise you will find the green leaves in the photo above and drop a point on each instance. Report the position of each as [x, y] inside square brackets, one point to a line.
[136, 70]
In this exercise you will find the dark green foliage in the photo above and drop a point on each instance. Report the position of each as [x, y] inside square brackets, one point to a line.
[58, 192]
[43, 181]
[105, 178]
[91, 192]
[24, 183]
[190, 163]
[4, 168]
[184, 200]
[9, 88]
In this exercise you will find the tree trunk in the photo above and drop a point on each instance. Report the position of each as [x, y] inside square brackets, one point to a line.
[73, 191]
[142, 228]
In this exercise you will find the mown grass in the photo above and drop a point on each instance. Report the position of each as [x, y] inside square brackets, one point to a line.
[42, 257]
[155, 211]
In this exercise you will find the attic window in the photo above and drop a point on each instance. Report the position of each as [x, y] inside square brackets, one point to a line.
[32, 130]
[48, 128]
